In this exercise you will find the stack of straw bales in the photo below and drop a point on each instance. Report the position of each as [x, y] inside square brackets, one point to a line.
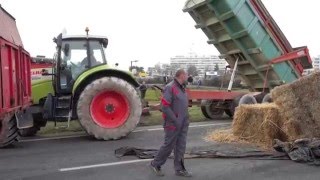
[299, 104]
[294, 114]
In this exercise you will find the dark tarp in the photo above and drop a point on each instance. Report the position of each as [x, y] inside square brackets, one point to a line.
[302, 151]
[150, 154]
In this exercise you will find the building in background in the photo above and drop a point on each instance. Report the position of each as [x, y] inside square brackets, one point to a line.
[202, 63]
[160, 69]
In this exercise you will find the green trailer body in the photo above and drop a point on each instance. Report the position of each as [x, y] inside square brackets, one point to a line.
[243, 30]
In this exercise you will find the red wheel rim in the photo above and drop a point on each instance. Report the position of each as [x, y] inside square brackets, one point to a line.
[109, 109]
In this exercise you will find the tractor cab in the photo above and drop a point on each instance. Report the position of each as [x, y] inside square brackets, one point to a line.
[75, 55]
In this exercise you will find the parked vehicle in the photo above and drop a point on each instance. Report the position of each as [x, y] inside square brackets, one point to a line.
[82, 86]
[15, 91]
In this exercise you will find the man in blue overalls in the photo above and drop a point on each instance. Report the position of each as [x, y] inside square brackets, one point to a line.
[174, 105]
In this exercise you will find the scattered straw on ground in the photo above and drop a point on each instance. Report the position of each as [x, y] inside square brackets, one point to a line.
[223, 136]
[226, 136]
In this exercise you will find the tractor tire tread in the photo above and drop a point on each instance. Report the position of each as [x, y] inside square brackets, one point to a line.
[116, 84]
[9, 131]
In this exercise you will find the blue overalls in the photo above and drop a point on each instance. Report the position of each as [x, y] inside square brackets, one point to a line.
[174, 105]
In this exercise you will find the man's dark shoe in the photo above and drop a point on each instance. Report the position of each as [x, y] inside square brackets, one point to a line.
[156, 170]
[183, 173]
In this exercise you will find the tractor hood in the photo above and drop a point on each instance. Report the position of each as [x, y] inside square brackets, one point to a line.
[101, 69]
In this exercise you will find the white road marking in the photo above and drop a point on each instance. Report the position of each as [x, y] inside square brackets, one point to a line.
[191, 126]
[53, 138]
[133, 161]
[135, 131]
[104, 165]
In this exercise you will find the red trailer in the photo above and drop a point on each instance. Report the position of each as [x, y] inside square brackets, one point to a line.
[15, 80]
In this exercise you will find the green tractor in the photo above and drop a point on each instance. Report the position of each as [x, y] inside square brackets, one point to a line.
[83, 87]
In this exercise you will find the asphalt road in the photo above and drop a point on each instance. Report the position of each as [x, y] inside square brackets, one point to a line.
[85, 158]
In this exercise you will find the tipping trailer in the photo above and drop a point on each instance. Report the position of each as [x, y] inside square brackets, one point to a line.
[249, 39]
[15, 91]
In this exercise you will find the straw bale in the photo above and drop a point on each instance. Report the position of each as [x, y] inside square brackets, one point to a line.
[294, 114]
[299, 103]
[258, 123]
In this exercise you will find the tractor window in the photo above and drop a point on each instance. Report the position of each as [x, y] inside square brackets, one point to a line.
[97, 53]
[75, 59]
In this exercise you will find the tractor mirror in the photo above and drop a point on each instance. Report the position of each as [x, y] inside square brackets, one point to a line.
[66, 49]
[44, 72]
[105, 43]
[58, 40]
[117, 64]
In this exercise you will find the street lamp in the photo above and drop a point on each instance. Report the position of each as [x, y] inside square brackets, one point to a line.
[131, 64]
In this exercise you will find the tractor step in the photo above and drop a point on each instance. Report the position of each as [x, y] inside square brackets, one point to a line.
[62, 112]
[62, 108]
[63, 101]
[61, 118]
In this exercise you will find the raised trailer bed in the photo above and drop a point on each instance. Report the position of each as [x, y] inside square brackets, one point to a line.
[249, 39]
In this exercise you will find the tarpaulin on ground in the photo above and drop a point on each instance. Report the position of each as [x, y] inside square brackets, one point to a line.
[150, 154]
[302, 151]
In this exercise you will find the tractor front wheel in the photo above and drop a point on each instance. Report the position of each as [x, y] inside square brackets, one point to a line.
[8, 130]
[109, 108]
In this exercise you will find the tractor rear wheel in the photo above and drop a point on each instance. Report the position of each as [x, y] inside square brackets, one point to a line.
[109, 108]
[8, 130]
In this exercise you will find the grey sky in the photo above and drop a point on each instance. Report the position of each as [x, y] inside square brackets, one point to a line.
[148, 30]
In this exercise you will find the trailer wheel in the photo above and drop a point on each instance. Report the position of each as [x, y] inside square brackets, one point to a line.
[247, 99]
[109, 108]
[38, 123]
[8, 130]
[232, 107]
[267, 99]
[28, 132]
[209, 109]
